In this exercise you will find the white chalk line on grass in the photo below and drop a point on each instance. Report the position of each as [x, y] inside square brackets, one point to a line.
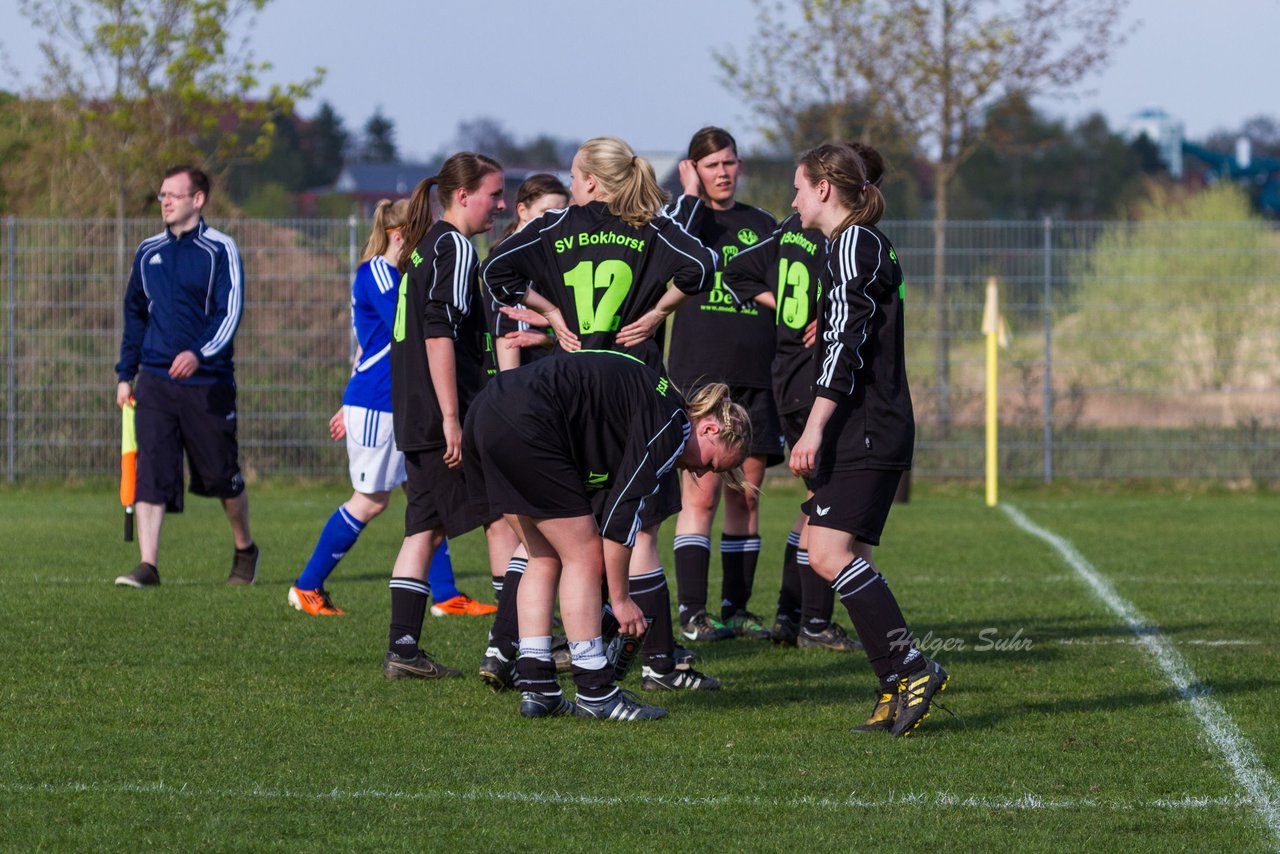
[1259, 786]
[944, 800]
[1136, 641]
[36, 580]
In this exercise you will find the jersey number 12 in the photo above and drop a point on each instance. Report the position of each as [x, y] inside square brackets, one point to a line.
[612, 277]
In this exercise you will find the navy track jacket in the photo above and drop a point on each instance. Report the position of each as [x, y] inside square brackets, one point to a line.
[184, 293]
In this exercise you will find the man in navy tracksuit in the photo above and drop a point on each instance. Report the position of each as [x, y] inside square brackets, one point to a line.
[181, 311]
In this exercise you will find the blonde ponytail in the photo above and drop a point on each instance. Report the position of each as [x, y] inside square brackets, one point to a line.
[627, 182]
[387, 217]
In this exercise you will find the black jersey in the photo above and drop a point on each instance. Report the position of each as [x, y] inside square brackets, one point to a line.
[621, 423]
[791, 261]
[861, 363]
[498, 325]
[439, 298]
[600, 272]
[715, 338]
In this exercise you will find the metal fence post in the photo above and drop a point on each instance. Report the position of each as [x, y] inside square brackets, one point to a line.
[1048, 350]
[10, 380]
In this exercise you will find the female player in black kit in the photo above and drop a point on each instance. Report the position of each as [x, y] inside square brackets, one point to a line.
[538, 441]
[790, 262]
[860, 433]
[437, 368]
[605, 261]
[714, 341]
[515, 341]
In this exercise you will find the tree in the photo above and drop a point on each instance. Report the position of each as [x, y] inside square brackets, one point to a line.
[934, 67]
[1181, 298]
[325, 141]
[379, 143]
[487, 135]
[141, 84]
[1029, 165]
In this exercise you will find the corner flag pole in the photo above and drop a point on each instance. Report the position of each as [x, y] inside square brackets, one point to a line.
[991, 329]
[128, 466]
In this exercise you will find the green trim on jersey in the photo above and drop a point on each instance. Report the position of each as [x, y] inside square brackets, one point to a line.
[611, 353]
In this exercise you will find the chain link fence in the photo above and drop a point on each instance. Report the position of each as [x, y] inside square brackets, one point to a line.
[1138, 350]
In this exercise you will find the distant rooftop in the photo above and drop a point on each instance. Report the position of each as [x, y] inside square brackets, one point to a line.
[387, 179]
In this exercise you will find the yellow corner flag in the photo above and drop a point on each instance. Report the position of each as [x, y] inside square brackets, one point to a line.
[992, 325]
[128, 465]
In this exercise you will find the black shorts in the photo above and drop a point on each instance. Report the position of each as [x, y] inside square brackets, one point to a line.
[437, 496]
[507, 473]
[766, 427]
[856, 502]
[199, 419]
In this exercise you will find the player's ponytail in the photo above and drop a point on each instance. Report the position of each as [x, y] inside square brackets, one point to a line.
[842, 167]
[627, 182]
[418, 219]
[387, 217]
[464, 170]
[713, 401]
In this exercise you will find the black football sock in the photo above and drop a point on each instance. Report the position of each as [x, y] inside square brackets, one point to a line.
[504, 637]
[693, 561]
[408, 607]
[734, 588]
[879, 623]
[650, 592]
[791, 593]
[592, 675]
[535, 671]
[750, 560]
[817, 598]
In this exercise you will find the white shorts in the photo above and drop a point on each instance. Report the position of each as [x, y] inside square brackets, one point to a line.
[377, 465]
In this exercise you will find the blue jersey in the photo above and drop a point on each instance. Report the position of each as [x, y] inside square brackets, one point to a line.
[373, 312]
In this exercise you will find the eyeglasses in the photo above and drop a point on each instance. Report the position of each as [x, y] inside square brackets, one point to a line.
[175, 196]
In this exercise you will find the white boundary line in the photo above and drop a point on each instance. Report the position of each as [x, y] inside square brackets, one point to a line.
[945, 800]
[1260, 787]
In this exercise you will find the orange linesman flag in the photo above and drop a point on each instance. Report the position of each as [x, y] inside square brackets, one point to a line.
[128, 466]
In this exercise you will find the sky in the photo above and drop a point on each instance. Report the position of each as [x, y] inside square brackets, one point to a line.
[645, 71]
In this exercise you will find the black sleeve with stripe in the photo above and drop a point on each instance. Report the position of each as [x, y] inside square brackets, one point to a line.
[681, 257]
[857, 266]
[651, 451]
[449, 291]
[519, 262]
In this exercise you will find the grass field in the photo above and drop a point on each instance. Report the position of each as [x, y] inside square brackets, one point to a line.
[198, 716]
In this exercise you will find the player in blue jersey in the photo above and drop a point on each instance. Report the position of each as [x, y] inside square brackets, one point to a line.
[376, 464]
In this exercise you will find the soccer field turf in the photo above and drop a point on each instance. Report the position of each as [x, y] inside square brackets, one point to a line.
[1112, 655]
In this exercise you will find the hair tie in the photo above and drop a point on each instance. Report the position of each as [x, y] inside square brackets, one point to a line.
[866, 183]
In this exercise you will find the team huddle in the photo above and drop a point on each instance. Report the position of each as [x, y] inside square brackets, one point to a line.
[529, 394]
